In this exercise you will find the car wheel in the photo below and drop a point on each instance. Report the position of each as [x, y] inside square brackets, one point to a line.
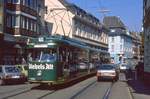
[116, 79]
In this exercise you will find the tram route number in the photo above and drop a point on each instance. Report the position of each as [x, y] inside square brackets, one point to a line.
[41, 66]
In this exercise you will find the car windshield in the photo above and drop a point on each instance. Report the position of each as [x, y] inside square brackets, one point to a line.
[123, 65]
[106, 67]
[11, 69]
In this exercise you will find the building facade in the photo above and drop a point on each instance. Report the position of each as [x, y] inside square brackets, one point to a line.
[120, 41]
[20, 22]
[137, 44]
[146, 23]
[66, 19]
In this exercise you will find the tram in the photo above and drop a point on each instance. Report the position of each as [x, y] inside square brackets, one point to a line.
[58, 58]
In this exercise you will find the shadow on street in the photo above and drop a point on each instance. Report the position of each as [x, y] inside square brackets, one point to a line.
[137, 85]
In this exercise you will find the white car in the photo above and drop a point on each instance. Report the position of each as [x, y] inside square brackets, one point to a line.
[123, 67]
[82, 66]
[11, 74]
[107, 71]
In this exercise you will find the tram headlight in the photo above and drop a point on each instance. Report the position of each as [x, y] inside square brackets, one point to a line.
[39, 73]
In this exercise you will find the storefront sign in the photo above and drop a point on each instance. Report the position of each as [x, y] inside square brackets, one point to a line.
[41, 66]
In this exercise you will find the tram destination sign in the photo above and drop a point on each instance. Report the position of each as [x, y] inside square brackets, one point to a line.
[41, 66]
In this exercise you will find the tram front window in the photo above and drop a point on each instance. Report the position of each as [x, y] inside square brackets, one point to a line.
[46, 58]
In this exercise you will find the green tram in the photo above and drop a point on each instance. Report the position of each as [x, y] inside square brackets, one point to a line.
[58, 58]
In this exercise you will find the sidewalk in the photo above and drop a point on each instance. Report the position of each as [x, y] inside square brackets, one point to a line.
[138, 89]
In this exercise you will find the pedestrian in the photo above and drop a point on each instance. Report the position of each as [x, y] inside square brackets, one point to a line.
[23, 61]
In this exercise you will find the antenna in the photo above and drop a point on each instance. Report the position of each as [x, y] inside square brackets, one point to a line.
[104, 11]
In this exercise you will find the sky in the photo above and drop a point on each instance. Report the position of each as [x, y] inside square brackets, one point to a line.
[129, 11]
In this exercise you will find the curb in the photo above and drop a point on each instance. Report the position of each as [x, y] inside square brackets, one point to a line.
[130, 90]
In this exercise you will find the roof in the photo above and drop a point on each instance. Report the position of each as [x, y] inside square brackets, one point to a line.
[78, 11]
[113, 22]
[51, 42]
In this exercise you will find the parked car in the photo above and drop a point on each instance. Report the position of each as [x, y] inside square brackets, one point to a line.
[123, 67]
[11, 74]
[23, 69]
[82, 66]
[107, 71]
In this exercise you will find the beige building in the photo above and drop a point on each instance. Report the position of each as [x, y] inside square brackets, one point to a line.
[66, 19]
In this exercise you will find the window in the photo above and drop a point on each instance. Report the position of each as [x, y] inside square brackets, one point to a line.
[17, 23]
[112, 39]
[35, 27]
[32, 3]
[121, 47]
[79, 32]
[32, 25]
[23, 22]
[121, 39]
[27, 24]
[23, 2]
[15, 20]
[16, 1]
[26, 2]
[9, 21]
[112, 30]
[8, 1]
[112, 48]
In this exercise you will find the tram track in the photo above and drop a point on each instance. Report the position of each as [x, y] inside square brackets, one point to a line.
[82, 90]
[41, 94]
[16, 91]
[106, 94]
[30, 91]
[41, 97]
[16, 94]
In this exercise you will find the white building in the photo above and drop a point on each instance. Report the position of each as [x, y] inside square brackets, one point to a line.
[120, 41]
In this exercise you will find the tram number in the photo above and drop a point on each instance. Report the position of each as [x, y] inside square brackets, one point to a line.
[41, 66]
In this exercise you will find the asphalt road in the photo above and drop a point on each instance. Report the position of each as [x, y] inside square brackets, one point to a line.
[88, 89]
